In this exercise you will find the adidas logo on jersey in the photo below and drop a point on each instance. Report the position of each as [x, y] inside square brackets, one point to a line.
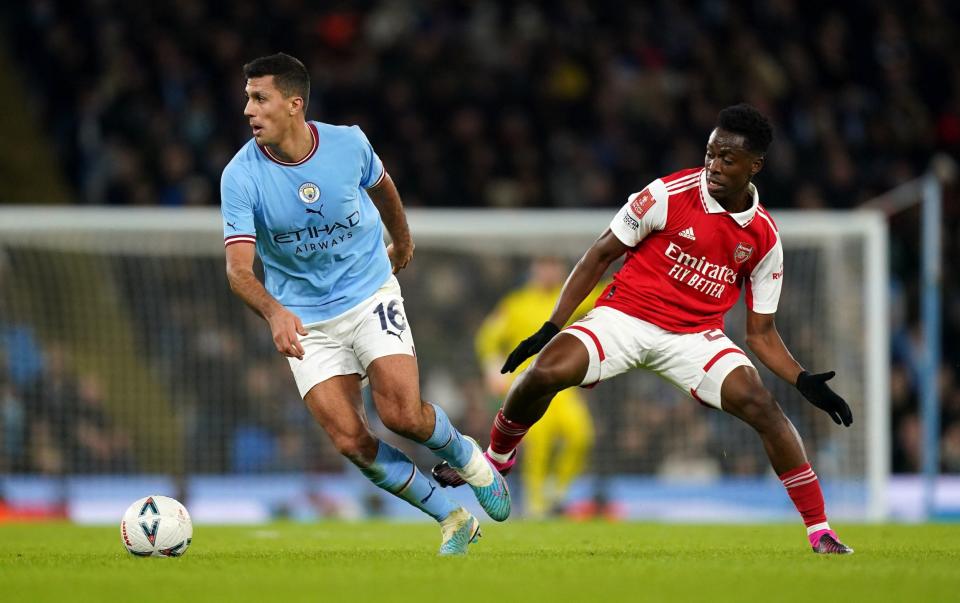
[687, 233]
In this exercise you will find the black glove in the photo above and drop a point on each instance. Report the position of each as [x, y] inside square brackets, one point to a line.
[815, 389]
[529, 346]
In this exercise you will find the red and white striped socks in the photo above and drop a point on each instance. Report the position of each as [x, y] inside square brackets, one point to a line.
[505, 436]
[804, 489]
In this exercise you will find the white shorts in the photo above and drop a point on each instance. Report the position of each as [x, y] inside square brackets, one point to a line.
[348, 343]
[696, 363]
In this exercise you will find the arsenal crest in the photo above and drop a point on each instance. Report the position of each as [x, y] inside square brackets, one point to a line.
[742, 253]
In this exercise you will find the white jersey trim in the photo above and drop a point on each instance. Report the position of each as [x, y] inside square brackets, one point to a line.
[766, 280]
[383, 174]
[712, 206]
[683, 182]
[243, 238]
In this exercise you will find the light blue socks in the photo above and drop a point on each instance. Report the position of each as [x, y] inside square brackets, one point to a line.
[447, 443]
[393, 471]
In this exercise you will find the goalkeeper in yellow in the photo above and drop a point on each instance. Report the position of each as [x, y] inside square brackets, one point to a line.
[567, 429]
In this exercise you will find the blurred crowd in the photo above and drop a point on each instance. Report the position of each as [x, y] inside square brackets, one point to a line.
[487, 103]
[53, 420]
[499, 103]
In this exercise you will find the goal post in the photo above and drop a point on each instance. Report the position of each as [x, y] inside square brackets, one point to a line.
[828, 229]
[169, 373]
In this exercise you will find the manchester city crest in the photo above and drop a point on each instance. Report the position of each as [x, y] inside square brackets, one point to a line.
[309, 192]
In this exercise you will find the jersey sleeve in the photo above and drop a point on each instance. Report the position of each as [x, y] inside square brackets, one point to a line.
[236, 207]
[372, 171]
[766, 280]
[643, 213]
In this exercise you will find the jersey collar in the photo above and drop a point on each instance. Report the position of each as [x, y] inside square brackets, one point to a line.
[712, 206]
[306, 158]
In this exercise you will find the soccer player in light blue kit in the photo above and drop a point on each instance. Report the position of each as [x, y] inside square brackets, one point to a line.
[312, 200]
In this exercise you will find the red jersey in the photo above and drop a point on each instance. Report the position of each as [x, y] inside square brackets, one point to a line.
[689, 258]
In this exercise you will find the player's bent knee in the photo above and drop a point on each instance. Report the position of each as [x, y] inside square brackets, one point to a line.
[405, 424]
[359, 449]
[551, 377]
[400, 411]
[756, 406]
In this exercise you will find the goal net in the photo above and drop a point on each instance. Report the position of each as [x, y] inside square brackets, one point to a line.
[123, 352]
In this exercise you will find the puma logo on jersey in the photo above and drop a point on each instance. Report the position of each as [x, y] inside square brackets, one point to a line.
[315, 211]
[397, 335]
[231, 225]
[687, 233]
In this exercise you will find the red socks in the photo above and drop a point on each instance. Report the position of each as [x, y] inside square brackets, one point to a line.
[804, 489]
[505, 435]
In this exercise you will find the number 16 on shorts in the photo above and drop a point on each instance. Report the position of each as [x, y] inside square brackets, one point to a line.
[392, 321]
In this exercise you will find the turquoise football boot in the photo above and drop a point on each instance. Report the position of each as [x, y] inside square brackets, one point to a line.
[487, 484]
[459, 530]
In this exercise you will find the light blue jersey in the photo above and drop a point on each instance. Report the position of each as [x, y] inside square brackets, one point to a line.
[317, 232]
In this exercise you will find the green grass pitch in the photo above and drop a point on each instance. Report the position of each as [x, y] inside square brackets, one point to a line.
[516, 561]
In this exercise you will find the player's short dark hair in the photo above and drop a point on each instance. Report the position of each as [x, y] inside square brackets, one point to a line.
[289, 74]
[745, 120]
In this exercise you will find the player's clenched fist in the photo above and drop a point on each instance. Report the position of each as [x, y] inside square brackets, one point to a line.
[285, 326]
[400, 255]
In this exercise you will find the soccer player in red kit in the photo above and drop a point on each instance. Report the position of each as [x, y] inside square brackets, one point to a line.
[693, 240]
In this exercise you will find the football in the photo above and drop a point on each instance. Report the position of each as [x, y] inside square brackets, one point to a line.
[156, 526]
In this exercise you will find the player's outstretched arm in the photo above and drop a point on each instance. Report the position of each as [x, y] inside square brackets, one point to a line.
[284, 324]
[386, 198]
[765, 341]
[584, 277]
